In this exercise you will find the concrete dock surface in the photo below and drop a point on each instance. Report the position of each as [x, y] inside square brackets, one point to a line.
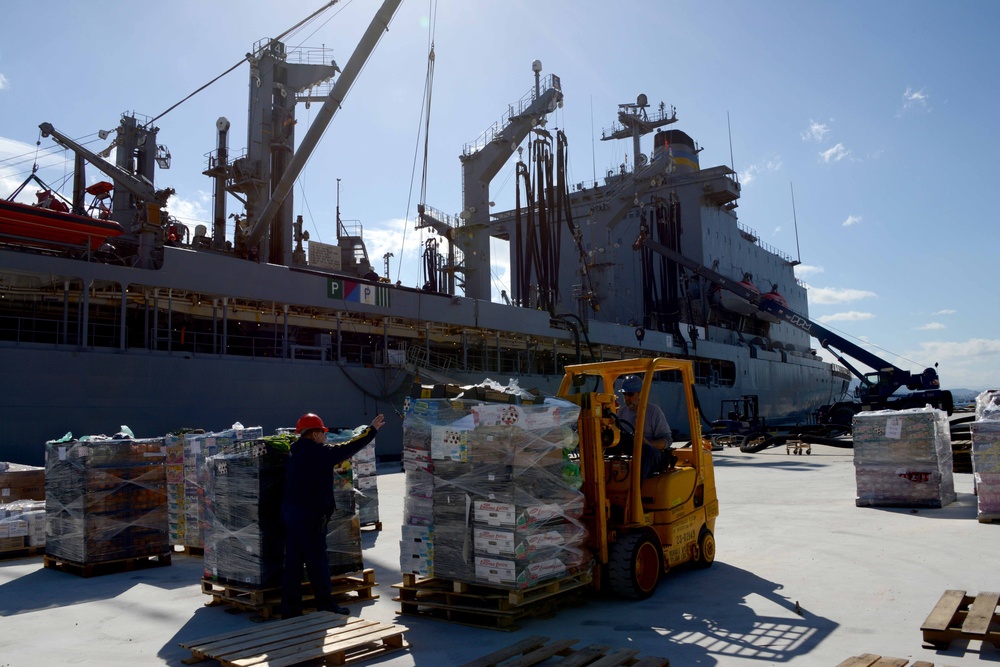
[802, 577]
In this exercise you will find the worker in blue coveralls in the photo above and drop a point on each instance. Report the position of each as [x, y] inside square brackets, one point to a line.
[307, 507]
[656, 436]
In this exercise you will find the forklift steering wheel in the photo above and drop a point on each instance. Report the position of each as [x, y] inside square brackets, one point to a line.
[625, 440]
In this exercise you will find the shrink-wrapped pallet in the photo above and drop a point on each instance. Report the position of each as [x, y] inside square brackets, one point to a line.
[492, 496]
[24, 519]
[105, 499]
[986, 455]
[244, 539]
[360, 472]
[244, 535]
[903, 458]
[196, 447]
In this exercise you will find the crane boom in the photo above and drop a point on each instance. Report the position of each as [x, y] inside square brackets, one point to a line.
[876, 388]
[378, 25]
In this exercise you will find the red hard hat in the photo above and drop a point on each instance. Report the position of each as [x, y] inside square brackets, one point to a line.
[309, 421]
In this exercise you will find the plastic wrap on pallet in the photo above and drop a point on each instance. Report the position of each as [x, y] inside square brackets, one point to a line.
[21, 482]
[105, 499]
[173, 446]
[244, 540]
[244, 537]
[988, 405]
[343, 542]
[492, 495]
[360, 474]
[988, 495]
[985, 446]
[24, 518]
[197, 448]
[903, 458]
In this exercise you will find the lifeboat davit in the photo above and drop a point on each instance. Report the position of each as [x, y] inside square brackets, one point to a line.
[50, 224]
[738, 304]
[775, 298]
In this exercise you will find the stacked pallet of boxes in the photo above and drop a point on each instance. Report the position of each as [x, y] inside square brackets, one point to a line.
[244, 541]
[244, 537]
[22, 524]
[903, 458]
[492, 497]
[343, 531]
[986, 455]
[22, 493]
[365, 480]
[105, 500]
[173, 447]
[186, 455]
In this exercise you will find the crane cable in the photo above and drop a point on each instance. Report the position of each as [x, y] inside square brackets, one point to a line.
[425, 117]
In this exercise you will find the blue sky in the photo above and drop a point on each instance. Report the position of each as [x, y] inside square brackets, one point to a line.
[878, 114]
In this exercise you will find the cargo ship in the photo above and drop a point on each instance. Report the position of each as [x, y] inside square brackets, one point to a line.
[159, 327]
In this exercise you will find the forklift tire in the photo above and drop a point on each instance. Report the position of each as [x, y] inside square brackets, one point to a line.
[635, 562]
[706, 548]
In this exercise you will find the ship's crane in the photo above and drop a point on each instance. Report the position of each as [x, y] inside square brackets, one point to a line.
[258, 223]
[877, 390]
[481, 162]
[141, 216]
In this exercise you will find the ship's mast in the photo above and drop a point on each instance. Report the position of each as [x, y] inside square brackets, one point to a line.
[635, 122]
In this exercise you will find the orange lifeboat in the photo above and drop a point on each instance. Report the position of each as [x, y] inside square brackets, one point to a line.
[49, 224]
[738, 304]
[774, 297]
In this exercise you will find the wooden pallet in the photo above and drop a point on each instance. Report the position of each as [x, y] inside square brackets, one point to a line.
[483, 606]
[961, 616]
[22, 552]
[536, 650]
[105, 567]
[872, 660]
[332, 637]
[266, 602]
[375, 525]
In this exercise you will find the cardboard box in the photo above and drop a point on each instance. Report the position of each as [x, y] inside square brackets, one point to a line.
[22, 482]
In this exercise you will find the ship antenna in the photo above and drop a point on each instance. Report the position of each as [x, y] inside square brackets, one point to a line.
[732, 162]
[339, 225]
[593, 154]
[795, 223]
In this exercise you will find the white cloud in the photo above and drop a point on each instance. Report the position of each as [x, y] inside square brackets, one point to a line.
[777, 229]
[834, 295]
[848, 316]
[806, 270]
[3, 82]
[970, 364]
[851, 220]
[835, 154]
[405, 243]
[816, 131]
[769, 165]
[946, 311]
[931, 326]
[915, 100]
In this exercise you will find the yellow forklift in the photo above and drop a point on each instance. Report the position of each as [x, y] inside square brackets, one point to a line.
[640, 529]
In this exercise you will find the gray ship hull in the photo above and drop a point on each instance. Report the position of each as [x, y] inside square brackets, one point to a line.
[176, 381]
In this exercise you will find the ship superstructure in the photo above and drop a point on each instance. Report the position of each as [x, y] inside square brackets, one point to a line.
[160, 330]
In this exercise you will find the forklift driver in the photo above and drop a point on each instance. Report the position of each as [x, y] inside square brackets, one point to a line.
[656, 438]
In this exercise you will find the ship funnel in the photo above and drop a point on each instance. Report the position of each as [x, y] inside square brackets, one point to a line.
[681, 148]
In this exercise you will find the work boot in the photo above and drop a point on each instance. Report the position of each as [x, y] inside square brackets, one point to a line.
[337, 609]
